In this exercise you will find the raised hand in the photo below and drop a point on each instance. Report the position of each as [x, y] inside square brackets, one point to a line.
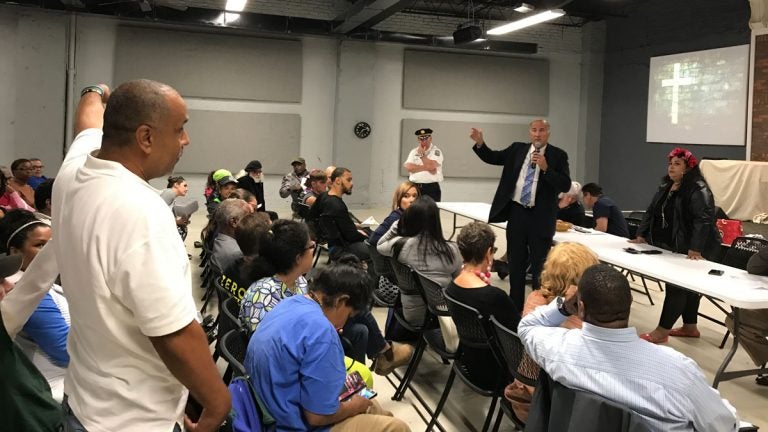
[477, 136]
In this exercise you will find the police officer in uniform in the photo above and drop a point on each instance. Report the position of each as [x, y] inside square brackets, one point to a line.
[425, 165]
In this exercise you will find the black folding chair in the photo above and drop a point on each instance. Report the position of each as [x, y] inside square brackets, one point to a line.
[473, 333]
[408, 283]
[233, 349]
[518, 364]
[383, 268]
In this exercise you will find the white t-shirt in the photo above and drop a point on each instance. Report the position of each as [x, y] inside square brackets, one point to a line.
[433, 153]
[126, 275]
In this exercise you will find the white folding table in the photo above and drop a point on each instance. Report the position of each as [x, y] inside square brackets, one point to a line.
[735, 287]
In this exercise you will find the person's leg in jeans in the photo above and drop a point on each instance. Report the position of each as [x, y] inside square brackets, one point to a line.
[357, 335]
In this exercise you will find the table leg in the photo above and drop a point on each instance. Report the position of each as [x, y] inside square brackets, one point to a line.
[453, 233]
[721, 375]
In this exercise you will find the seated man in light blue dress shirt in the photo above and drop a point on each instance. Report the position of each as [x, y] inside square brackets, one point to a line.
[606, 357]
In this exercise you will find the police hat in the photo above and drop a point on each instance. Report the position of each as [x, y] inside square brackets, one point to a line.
[423, 132]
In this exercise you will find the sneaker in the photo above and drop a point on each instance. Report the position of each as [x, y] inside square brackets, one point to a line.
[398, 355]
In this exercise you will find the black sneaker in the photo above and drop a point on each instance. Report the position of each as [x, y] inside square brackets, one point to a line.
[198, 244]
[762, 380]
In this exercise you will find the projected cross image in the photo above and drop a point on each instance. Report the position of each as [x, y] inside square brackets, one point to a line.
[698, 97]
[675, 82]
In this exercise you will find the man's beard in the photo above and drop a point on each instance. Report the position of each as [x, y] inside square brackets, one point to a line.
[348, 191]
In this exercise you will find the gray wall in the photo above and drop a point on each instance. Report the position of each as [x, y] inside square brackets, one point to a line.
[342, 82]
[630, 168]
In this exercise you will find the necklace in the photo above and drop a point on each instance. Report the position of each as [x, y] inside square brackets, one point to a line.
[670, 195]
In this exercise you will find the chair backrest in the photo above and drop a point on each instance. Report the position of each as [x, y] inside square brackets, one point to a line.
[470, 324]
[633, 224]
[556, 407]
[381, 264]
[519, 363]
[406, 278]
[741, 251]
[233, 348]
[433, 294]
[228, 316]
[637, 215]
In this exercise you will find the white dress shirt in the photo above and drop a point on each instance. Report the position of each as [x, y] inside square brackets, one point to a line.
[662, 385]
[516, 197]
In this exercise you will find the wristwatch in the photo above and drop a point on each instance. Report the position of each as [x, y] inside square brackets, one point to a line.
[561, 307]
[93, 88]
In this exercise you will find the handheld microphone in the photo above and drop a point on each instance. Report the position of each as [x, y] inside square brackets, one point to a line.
[536, 146]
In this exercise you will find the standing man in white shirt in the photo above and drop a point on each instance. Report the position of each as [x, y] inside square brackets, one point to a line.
[135, 346]
[425, 165]
[608, 358]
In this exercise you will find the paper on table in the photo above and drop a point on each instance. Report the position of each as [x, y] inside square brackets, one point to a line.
[586, 230]
[369, 222]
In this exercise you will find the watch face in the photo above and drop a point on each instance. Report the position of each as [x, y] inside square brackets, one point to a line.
[362, 130]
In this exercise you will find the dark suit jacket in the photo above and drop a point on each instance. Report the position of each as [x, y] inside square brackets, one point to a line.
[557, 179]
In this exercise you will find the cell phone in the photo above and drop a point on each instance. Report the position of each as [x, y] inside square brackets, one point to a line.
[716, 272]
[580, 229]
[367, 393]
[353, 384]
[631, 250]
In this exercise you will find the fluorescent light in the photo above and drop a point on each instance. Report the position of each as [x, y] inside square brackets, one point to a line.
[524, 8]
[526, 22]
[235, 5]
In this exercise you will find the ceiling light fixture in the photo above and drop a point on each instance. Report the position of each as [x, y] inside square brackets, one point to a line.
[527, 22]
[524, 8]
[235, 5]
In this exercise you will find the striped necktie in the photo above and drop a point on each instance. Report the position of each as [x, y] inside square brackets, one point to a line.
[525, 195]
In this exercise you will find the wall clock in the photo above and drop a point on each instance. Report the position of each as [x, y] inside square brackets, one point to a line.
[362, 130]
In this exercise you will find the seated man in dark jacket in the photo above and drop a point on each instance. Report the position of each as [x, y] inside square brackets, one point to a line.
[333, 218]
[607, 215]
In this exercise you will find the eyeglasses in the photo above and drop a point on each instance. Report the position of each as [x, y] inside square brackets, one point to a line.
[38, 167]
[311, 245]
[425, 137]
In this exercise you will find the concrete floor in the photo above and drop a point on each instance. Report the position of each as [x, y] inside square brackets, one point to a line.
[465, 411]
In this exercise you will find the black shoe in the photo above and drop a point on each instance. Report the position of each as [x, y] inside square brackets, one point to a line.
[198, 244]
[762, 380]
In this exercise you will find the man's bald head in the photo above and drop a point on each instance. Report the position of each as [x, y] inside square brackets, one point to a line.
[131, 105]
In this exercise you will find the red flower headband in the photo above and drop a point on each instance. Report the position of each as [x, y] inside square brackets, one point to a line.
[679, 152]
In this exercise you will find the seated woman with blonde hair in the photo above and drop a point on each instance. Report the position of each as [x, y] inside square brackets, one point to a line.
[563, 268]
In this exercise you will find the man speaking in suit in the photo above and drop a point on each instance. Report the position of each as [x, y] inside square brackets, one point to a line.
[534, 174]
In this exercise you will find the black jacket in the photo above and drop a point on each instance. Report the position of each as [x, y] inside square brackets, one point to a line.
[557, 179]
[693, 224]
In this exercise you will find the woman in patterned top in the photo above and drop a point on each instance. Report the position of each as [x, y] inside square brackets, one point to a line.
[285, 252]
